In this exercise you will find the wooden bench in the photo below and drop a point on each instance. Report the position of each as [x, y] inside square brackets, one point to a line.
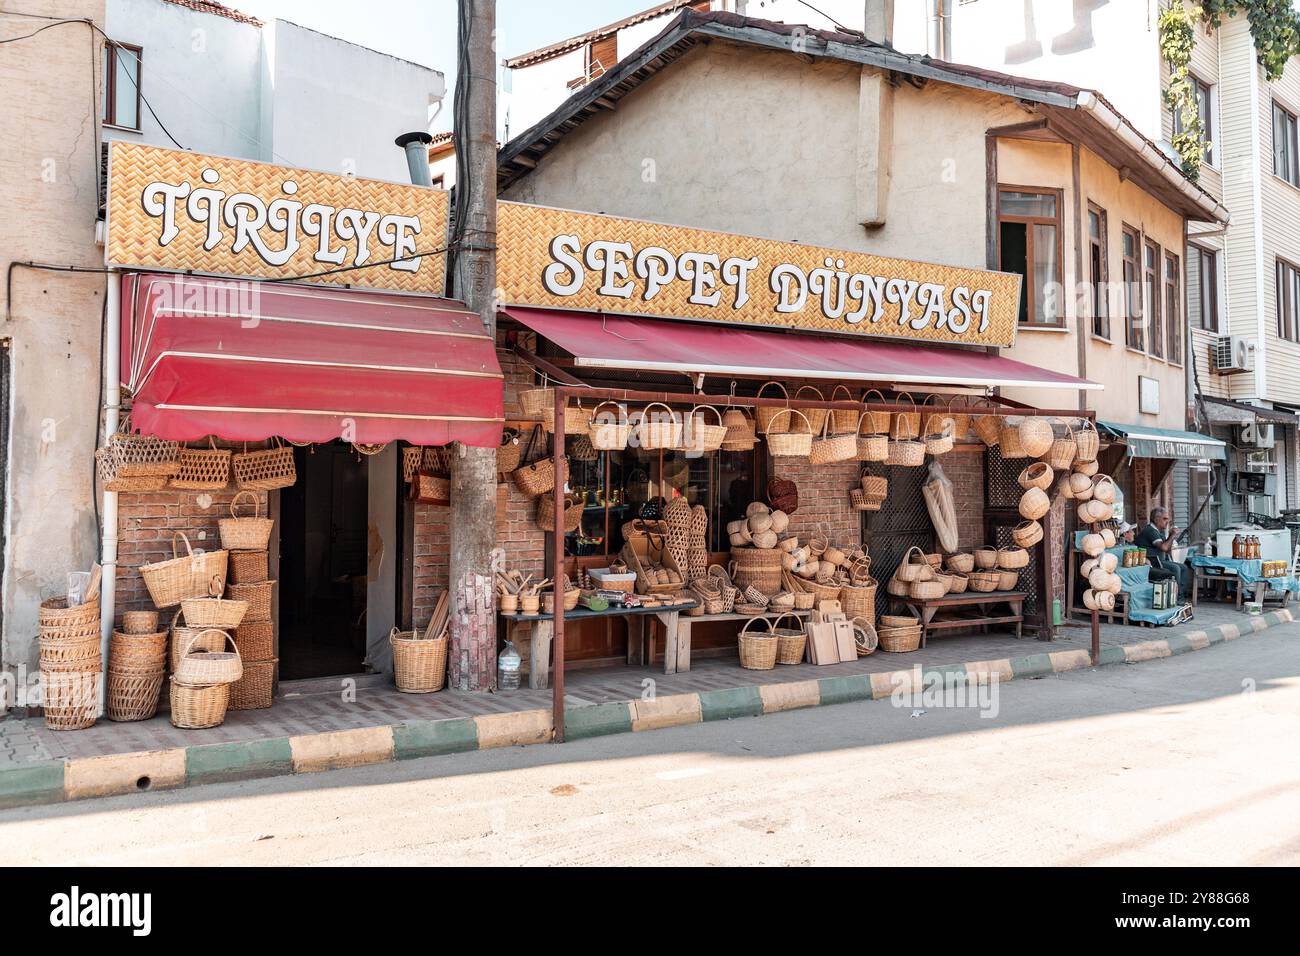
[681, 653]
[925, 609]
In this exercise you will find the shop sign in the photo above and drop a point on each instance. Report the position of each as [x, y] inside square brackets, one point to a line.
[183, 211]
[570, 260]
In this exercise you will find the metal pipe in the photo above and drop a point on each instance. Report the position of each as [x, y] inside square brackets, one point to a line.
[557, 567]
[112, 413]
[416, 146]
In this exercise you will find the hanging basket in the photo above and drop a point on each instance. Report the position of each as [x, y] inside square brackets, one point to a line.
[170, 582]
[609, 431]
[1034, 503]
[265, 470]
[816, 416]
[905, 425]
[1009, 441]
[246, 533]
[829, 448]
[1012, 559]
[546, 513]
[741, 435]
[201, 469]
[657, 431]
[988, 428]
[763, 414]
[1027, 534]
[871, 447]
[905, 454]
[700, 437]
[576, 419]
[940, 443]
[509, 452]
[874, 423]
[141, 456]
[1103, 489]
[533, 402]
[1037, 475]
[1087, 441]
[1063, 451]
[789, 443]
[1036, 436]
[875, 487]
[110, 480]
[843, 419]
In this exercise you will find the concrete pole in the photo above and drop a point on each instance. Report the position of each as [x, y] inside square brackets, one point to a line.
[473, 654]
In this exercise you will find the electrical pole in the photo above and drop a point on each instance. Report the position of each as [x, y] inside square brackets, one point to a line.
[473, 653]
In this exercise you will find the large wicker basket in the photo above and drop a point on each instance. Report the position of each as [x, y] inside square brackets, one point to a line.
[171, 582]
[900, 640]
[756, 567]
[253, 690]
[419, 663]
[764, 414]
[201, 668]
[133, 693]
[70, 698]
[791, 641]
[249, 567]
[758, 651]
[197, 708]
[245, 534]
[788, 437]
[258, 597]
[265, 470]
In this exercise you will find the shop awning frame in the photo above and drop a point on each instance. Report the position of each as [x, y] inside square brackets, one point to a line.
[564, 391]
[1147, 441]
[1243, 413]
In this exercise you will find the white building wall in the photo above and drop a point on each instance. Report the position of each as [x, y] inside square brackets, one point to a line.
[538, 89]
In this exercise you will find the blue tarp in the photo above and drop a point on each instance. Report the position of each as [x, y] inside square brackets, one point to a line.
[1247, 571]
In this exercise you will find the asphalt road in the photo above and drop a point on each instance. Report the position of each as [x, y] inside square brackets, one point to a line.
[1190, 760]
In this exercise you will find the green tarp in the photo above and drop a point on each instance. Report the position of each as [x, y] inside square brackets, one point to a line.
[1146, 441]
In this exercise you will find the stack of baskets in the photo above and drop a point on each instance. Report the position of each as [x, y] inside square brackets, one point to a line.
[71, 662]
[246, 539]
[919, 575]
[137, 666]
[871, 493]
[200, 685]
[898, 633]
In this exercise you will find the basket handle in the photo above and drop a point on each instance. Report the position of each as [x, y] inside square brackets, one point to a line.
[777, 621]
[907, 558]
[216, 586]
[792, 412]
[188, 549]
[817, 391]
[710, 408]
[257, 504]
[621, 411]
[909, 398]
[847, 391]
[758, 617]
[211, 630]
[778, 385]
[672, 415]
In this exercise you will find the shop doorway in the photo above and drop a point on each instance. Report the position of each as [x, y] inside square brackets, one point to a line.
[323, 548]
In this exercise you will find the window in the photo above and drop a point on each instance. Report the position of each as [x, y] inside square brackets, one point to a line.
[1132, 288]
[1173, 307]
[1151, 294]
[1288, 301]
[1286, 158]
[1098, 271]
[1203, 288]
[1201, 92]
[122, 85]
[1029, 243]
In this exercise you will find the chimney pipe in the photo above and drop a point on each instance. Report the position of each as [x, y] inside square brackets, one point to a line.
[417, 156]
[878, 21]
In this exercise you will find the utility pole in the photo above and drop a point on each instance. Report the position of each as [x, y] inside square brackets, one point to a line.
[473, 654]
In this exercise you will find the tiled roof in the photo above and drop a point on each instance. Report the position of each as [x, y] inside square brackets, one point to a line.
[216, 9]
[572, 43]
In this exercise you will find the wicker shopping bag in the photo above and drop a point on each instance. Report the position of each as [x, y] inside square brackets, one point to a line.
[265, 470]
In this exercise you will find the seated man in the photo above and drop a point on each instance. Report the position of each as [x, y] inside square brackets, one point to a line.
[1158, 538]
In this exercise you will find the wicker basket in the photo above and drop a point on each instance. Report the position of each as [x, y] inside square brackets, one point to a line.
[141, 456]
[1091, 512]
[1027, 534]
[265, 470]
[988, 428]
[905, 425]
[1103, 489]
[957, 583]
[1012, 558]
[763, 414]
[790, 646]
[70, 698]
[216, 612]
[69, 654]
[875, 487]
[256, 642]
[865, 638]
[940, 443]
[139, 622]
[757, 651]
[1007, 580]
[783, 440]
[985, 557]
[201, 469]
[983, 580]
[874, 423]
[202, 668]
[934, 421]
[698, 435]
[419, 663]
[258, 597]
[609, 432]
[55, 613]
[247, 533]
[844, 419]
[756, 567]
[170, 582]
[577, 420]
[962, 562]
[533, 402]
[106, 471]
[900, 640]
[546, 513]
[872, 447]
[538, 477]
[249, 567]
[1037, 475]
[1009, 441]
[829, 448]
[859, 600]
[509, 452]
[131, 694]
[137, 650]
[197, 708]
[1087, 440]
[910, 570]
[860, 502]
[926, 590]
[1086, 468]
[906, 454]
[1034, 503]
[1036, 436]
[1063, 451]
[741, 435]
[656, 430]
[253, 690]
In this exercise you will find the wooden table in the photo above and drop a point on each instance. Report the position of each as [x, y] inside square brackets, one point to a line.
[682, 652]
[924, 609]
[1207, 575]
[543, 630]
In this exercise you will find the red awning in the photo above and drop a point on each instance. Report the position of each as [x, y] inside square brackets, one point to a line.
[248, 360]
[619, 341]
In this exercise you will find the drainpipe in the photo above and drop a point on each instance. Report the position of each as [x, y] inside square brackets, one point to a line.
[417, 156]
[112, 413]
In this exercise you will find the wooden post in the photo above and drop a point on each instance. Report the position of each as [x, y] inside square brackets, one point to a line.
[1096, 638]
[473, 653]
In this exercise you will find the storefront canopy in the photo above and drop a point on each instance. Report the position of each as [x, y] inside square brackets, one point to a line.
[1222, 411]
[247, 361]
[1144, 441]
[628, 342]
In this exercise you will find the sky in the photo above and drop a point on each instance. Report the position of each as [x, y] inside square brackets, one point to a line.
[424, 31]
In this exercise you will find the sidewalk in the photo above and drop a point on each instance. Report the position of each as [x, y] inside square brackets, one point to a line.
[317, 725]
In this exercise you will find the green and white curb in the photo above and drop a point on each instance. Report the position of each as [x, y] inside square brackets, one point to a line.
[55, 781]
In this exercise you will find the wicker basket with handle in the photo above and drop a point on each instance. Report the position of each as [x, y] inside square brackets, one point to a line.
[1036, 436]
[1012, 558]
[576, 418]
[1063, 451]
[197, 668]
[788, 437]
[265, 470]
[828, 448]
[201, 469]
[141, 456]
[1027, 534]
[763, 414]
[213, 611]
[508, 452]
[816, 416]
[533, 402]
[658, 430]
[791, 641]
[874, 423]
[537, 477]
[983, 580]
[905, 425]
[1087, 441]
[172, 581]
[609, 429]
[843, 419]
[741, 434]
[698, 435]
[871, 447]
[758, 650]
[245, 533]
[197, 708]
[1009, 440]
[905, 453]
[1037, 475]
[988, 428]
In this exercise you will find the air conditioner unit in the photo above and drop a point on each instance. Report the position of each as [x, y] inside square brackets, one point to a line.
[1257, 435]
[1232, 353]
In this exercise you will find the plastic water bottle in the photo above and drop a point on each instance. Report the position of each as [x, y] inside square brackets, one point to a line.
[508, 668]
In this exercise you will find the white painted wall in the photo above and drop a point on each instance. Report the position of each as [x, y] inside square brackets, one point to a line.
[538, 89]
[278, 93]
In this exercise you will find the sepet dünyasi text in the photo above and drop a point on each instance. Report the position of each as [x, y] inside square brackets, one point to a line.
[854, 297]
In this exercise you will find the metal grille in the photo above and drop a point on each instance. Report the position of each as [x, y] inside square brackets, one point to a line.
[1002, 513]
[901, 523]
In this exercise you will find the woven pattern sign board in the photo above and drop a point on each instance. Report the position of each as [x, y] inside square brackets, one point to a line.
[570, 260]
[185, 211]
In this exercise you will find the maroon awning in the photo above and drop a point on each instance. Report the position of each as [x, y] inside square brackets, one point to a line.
[246, 361]
[649, 344]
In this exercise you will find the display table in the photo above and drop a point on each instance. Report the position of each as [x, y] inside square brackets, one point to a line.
[1244, 573]
[543, 630]
[684, 624]
[973, 609]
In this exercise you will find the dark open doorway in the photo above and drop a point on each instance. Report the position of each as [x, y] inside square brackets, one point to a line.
[323, 521]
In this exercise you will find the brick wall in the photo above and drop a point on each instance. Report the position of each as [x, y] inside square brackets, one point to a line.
[823, 498]
[964, 467]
